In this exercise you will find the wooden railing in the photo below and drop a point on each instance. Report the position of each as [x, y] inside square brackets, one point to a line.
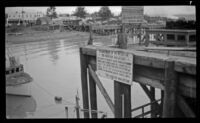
[147, 112]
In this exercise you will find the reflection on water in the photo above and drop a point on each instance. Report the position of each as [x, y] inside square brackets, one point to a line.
[19, 106]
[53, 47]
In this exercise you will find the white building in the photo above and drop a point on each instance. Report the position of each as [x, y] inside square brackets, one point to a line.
[26, 16]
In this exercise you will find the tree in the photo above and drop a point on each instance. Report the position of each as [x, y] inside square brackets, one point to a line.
[80, 12]
[51, 12]
[105, 13]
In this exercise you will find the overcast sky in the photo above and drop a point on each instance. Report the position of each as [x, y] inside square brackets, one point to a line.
[149, 10]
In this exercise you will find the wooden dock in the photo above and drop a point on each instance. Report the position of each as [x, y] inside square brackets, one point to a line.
[175, 76]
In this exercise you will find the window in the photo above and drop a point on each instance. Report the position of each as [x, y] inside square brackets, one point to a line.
[7, 72]
[170, 37]
[17, 69]
[13, 70]
[192, 38]
[181, 38]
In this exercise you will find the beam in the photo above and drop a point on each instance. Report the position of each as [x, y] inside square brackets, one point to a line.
[182, 64]
[146, 90]
[170, 90]
[119, 90]
[83, 64]
[102, 89]
[153, 106]
[93, 94]
[185, 108]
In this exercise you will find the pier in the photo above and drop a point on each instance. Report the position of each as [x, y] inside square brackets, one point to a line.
[175, 76]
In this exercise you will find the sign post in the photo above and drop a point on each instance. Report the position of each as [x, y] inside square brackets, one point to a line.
[118, 66]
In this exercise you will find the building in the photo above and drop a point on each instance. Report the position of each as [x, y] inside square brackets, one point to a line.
[23, 16]
[43, 20]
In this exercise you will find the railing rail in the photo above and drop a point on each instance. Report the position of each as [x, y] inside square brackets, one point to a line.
[142, 107]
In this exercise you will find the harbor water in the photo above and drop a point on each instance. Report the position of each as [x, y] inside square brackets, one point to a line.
[55, 67]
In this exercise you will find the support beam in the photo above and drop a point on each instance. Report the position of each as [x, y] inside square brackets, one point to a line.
[161, 104]
[93, 94]
[170, 90]
[119, 90]
[185, 108]
[153, 106]
[83, 64]
[148, 93]
[102, 89]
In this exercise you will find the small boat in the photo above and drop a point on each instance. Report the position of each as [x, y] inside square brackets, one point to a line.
[57, 98]
[17, 81]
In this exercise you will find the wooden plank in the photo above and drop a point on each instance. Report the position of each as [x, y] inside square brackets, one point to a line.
[187, 85]
[170, 31]
[171, 48]
[147, 81]
[102, 89]
[188, 92]
[170, 90]
[93, 95]
[142, 115]
[83, 64]
[153, 106]
[185, 108]
[156, 60]
[146, 90]
[186, 65]
[119, 90]
[161, 103]
[77, 107]
[149, 72]
[137, 108]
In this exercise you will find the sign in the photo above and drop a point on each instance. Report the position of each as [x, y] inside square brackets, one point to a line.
[132, 14]
[115, 65]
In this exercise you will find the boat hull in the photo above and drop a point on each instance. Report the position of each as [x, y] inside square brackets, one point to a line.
[19, 90]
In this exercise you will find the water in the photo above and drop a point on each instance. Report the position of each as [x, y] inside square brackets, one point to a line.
[55, 68]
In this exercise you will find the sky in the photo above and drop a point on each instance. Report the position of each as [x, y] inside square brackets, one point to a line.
[149, 10]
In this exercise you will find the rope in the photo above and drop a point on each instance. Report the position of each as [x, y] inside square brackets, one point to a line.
[50, 94]
[67, 102]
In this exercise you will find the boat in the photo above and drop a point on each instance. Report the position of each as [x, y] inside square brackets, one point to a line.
[18, 82]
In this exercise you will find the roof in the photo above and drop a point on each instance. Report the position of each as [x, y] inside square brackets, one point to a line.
[44, 19]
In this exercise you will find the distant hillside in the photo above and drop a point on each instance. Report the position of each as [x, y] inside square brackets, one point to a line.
[187, 16]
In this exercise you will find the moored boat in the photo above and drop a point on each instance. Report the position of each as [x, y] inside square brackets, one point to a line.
[17, 81]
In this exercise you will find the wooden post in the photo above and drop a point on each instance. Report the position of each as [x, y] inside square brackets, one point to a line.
[187, 39]
[122, 89]
[122, 39]
[77, 107]
[83, 64]
[153, 107]
[161, 104]
[93, 95]
[90, 41]
[170, 90]
[66, 111]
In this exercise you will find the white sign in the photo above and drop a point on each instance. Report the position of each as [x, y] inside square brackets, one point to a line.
[115, 65]
[132, 14]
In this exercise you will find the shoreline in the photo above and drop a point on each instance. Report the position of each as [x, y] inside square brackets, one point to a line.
[50, 35]
[43, 36]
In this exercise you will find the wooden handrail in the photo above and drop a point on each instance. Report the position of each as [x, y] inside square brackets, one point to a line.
[137, 108]
[170, 48]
